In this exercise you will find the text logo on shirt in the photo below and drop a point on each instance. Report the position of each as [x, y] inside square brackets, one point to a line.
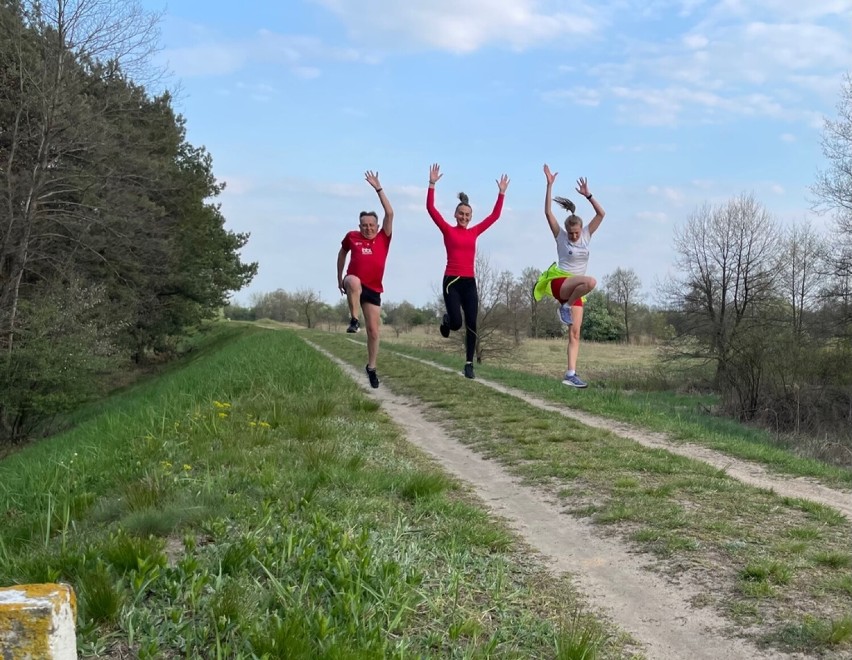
[366, 248]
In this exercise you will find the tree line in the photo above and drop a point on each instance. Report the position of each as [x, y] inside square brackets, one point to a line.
[508, 313]
[770, 307]
[110, 247]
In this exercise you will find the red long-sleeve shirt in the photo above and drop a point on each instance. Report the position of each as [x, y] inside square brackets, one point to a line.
[461, 241]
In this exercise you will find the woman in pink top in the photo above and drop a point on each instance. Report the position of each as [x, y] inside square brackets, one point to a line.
[459, 286]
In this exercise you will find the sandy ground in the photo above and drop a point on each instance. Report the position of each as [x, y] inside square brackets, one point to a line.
[653, 609]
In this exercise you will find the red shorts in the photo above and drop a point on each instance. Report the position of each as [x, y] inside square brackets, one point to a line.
[556, 285]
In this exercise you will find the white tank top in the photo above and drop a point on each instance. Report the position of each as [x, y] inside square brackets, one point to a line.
[573, 257]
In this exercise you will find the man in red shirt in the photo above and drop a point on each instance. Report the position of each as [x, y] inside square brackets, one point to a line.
[363, 282]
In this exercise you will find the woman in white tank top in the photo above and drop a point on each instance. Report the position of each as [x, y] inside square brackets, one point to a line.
[572, 249]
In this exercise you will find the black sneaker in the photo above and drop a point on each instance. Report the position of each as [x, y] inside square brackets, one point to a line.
[354, 325]
[445, 327]
[468, 370]
[373, 376]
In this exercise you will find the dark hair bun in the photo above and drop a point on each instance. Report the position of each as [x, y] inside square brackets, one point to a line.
[464, 199]
[565, 203]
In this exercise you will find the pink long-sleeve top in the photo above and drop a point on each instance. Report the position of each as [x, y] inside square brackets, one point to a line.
[461, 241]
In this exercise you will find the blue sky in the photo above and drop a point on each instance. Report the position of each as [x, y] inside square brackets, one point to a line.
[662, 104]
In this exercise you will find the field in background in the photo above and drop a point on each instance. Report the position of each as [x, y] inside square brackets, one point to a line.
[631, 367]
[620, 365]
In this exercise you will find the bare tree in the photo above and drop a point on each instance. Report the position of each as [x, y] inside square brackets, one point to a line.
[623, 286]
[492, 340]
[277, 305]
[400, 316]
[513, 302]
[728, 260]
[833, 190]
[803, 271]
[837, 292]
[833, 187]
[309, 303]
[529, 276]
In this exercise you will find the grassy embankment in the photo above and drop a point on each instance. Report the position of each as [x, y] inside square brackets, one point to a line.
[253, 502]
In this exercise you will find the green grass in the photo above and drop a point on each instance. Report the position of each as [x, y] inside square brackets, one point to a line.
[764, 558]
[639, 398]
[814, 633]
[833, 559]
[234, 508]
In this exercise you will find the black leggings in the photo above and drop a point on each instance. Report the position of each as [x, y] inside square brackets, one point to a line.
[460, 295]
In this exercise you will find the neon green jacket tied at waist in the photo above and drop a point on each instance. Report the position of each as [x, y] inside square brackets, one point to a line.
[542, 287]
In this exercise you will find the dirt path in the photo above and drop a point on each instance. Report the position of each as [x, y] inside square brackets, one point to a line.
[746, 472]
[620, 583]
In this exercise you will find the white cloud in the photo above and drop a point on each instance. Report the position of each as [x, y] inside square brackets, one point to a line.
[795, 47]
[296, 54]
[257, 91]
[460, 26]
[306, 72]
[205, 60]
[788, 137]
[301, 220]
[656, 217]
[823, 86]
[708, 71]
[643, 148]
[667, 193]
[784, 9]
[237, 185]
[695, 41]
[343, 190]
[777, 189]
[411, 192]
[577, 95]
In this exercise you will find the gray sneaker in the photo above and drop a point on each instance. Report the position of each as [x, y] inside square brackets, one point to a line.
[564, 313]
[574, 381]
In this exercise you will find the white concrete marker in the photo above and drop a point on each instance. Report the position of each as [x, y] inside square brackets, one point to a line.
[37, 622]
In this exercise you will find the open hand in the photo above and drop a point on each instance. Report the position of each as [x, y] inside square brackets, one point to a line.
[373, 179]
[550, 176]
[583, 186]
[503, 183]
[435, 173]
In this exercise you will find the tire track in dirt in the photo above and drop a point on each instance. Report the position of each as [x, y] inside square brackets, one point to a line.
[618, 582]
[744, 471]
